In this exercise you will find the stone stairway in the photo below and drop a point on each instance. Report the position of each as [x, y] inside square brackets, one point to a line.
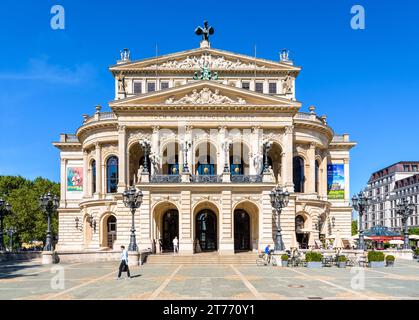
[203, 259]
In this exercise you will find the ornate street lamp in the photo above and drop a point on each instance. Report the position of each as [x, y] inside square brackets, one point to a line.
[279, 200]
[266, 146]
[132, 200]
[5, 209]
[360, 203]
[405, 208]
[146, 146]
[49, 204]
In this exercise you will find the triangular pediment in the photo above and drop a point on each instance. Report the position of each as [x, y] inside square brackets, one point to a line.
[213, 59]
[205, 93]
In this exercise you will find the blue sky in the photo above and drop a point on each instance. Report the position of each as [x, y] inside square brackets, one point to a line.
[365, 81]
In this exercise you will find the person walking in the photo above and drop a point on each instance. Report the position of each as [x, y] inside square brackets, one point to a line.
[175, 245]
[123, 266]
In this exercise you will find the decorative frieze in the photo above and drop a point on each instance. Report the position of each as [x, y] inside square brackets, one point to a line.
[205, 96]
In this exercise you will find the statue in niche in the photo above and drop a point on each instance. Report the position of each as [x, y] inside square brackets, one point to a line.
[287, 84]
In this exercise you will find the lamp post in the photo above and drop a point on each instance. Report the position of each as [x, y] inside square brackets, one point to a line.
[132, 200]
[279, 200]
[405, 208]
[11, 231]
[48, 204]
[227, 144]
[5, 209]
[360, 203]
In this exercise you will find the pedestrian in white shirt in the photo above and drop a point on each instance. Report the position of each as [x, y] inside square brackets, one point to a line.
[175, 245]
[123, 266]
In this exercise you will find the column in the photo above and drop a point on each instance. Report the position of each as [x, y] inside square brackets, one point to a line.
[312, 168]
[98, 152]
[226, 241]
[346, 172]
[287, 160]
[143, 223]
[63, 179]
[255, 168]
[186, 222]
[154, 145]
[85, 174]
[122, 150]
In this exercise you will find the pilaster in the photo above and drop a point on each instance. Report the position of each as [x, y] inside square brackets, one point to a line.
[122, 158]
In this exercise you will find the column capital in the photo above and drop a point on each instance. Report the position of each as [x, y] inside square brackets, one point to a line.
[289, 129]
[155, 129]
[122, 128]
[313, 145]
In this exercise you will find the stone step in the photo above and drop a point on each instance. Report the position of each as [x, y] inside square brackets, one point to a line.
[202, 259]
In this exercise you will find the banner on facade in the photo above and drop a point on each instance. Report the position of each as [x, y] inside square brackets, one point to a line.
[75, 179]
[335, 181]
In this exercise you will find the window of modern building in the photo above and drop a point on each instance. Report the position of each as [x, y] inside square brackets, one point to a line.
[259, 87]
[151, 86]
[164, 85]
[406, 167]
[112, 174]
[298, 168]
[272, 88]
[414, 167]
[246, 85]
[138, 87]
[93, 169]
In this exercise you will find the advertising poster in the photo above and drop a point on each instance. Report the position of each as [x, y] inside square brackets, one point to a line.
[74, 179]
[335, 181]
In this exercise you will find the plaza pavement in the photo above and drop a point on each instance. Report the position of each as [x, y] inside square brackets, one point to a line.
[31, 280]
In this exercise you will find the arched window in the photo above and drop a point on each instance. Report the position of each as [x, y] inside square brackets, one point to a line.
[317, 181]
[93, 168]
[298, 166]
[112, 175]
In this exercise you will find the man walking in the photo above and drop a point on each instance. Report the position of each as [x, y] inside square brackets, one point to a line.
[175, 245]
[123, 266]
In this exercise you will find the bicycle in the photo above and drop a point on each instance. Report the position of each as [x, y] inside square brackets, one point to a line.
[263, 260]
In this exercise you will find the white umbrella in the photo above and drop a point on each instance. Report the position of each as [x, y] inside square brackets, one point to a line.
[338, 243]
[396, 242]
[414, 237]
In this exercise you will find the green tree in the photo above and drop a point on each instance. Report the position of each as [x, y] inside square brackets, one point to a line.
[354, 227]
[414, 231]
[26, 217]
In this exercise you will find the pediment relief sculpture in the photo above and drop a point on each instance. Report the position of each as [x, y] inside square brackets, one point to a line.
[205, 96]
[205, 60]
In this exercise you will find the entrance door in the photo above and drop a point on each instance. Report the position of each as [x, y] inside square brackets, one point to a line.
[170, 229]
[206, 230]
[111, 231]
[241, 231]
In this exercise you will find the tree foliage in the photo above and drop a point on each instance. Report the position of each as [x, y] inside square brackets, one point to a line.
[23, 194]
[354, 227]
[414, 230]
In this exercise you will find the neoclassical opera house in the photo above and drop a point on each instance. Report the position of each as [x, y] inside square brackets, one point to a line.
[205, 134]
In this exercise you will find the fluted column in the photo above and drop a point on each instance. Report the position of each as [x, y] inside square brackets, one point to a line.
[154, 145]
[122, 158]
[85, 174]
[63, 179]
[98, 151]
[312, 168]
[287, 171]
[255, 168]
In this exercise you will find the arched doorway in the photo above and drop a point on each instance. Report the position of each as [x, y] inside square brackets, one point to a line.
[111, 231]
[170, 229]
[241, 230]
[301, 236]
[205, 159]
[206, 230]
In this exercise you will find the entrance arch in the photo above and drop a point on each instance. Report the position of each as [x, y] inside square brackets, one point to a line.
[301, 236]
[241, 230]
[170, 229]
[206, 230]
[108, 233]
